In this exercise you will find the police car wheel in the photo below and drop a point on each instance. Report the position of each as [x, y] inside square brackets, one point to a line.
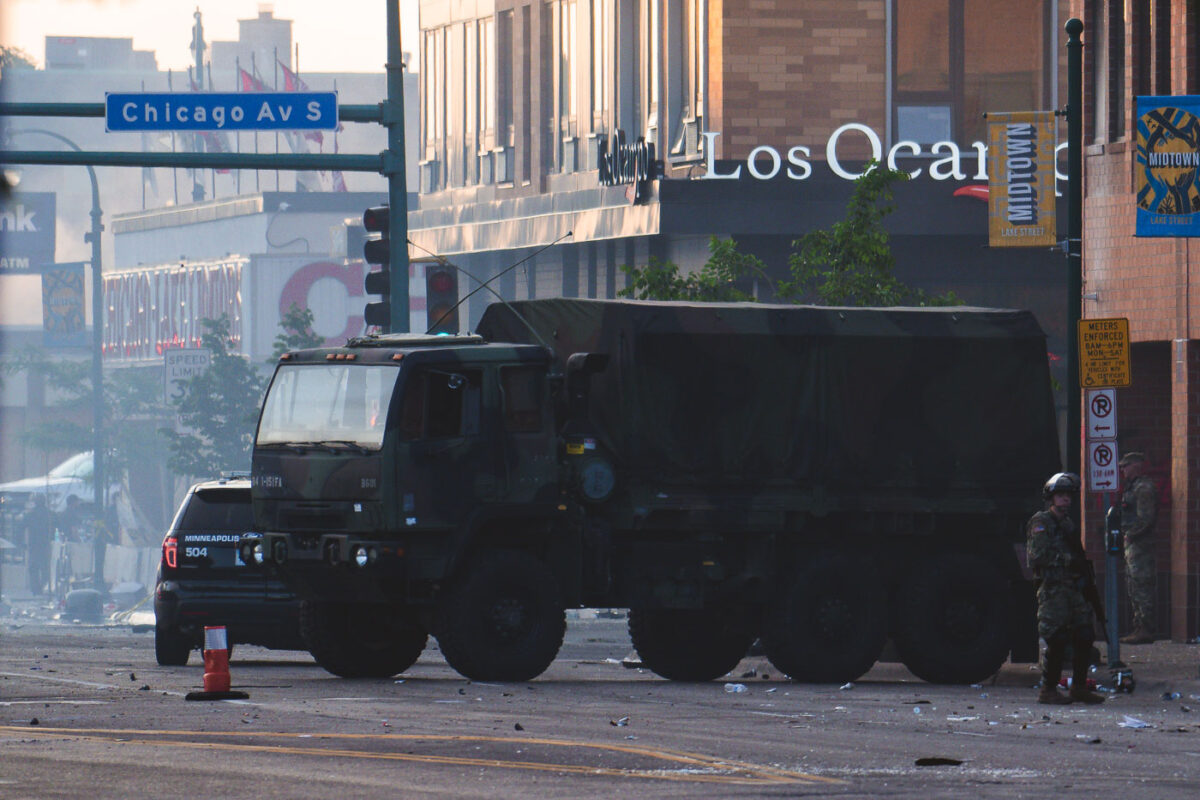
[171, 648]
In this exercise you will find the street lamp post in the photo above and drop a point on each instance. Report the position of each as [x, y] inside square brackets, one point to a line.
[92, 236]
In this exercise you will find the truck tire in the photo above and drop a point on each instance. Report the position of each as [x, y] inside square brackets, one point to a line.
[503, 619]
[360, 641]
[953, 623]
[171, 648]
[689, 645]
[827, 623]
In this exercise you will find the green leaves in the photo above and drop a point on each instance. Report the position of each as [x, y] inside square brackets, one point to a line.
[851, 263]
[296, 332]
[716, 281]
[218, 410]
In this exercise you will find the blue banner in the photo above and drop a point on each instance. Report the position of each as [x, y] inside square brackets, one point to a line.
[62, 306]
[1168, 166]
[216, 111]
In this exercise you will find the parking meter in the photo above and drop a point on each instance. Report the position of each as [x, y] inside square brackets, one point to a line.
[1114, 548]
[1114, 541]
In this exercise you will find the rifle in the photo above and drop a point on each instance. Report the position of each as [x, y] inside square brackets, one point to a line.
[1087, 580]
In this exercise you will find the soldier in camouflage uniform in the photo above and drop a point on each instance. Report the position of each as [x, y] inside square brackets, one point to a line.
[1139, 507]
[1064, 616]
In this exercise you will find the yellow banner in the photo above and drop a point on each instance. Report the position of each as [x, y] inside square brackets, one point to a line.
[1021, 179]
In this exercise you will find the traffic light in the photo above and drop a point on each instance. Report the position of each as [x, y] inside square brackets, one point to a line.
[441, 298]
[377, 251]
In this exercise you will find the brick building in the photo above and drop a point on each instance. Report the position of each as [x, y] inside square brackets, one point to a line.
[759, 114]
[1131, 48]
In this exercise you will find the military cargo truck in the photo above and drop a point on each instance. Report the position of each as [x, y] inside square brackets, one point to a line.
[825, 479]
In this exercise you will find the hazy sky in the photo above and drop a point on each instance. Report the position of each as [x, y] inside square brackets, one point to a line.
[333, 35]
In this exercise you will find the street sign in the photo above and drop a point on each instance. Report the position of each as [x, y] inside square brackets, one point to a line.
[220, 111]
[1101, 414]
[1103, 352]
[180, 366]
[1102, 466]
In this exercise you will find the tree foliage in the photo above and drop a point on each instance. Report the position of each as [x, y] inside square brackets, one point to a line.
[296, 332]
[716, 281]
[218, 410]
[15, 58]
[851, 263]
[132, 402]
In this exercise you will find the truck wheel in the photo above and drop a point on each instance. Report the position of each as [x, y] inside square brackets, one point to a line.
[827, 623]
[689, 645]
[503, 619]
[953, 622]
[171, 648]
[360, 640]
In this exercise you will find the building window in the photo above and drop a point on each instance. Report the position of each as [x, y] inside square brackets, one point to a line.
[1143, 74]
[602, 63]
[434, 109]
[958, 59]
[652, 47]
[505, 94]
[568, 81]
[473, 97]
[1162, 46]
[1115, 71]
[1191, 47]
[487, 83]
[686, 75]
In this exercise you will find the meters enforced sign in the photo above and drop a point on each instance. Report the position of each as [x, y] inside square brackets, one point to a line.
[1103, 353]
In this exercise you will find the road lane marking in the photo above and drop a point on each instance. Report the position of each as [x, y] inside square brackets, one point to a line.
[692, 767]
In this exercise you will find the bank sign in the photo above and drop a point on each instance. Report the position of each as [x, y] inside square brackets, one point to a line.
[1167, 172]
[217, 111]
[26, 232]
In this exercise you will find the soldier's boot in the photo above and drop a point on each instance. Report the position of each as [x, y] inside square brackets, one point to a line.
[1050, 696]
[1080, 662]
[1083, 694]
[1139, 635]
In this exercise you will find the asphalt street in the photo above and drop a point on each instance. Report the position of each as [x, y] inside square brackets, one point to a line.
[86, 712]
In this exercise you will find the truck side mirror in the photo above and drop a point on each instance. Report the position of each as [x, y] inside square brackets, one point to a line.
[580, 366]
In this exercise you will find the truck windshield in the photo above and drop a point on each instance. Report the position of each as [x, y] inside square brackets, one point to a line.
[328, 404]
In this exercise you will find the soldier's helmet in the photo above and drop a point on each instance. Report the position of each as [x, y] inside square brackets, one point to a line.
[1060, 482]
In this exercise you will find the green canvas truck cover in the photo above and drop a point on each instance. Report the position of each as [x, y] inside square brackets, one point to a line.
[860, 399]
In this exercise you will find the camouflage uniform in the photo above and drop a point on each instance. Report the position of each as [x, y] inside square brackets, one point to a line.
[1139, 507]
[1052, 547]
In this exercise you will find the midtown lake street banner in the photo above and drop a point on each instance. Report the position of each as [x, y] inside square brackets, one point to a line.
[1168, 166]
[1021, 179]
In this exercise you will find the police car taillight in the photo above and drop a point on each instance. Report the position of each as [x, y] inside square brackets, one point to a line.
[170, 552]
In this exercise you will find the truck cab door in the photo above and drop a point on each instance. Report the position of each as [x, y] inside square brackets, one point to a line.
[445, 461]
[526, 421]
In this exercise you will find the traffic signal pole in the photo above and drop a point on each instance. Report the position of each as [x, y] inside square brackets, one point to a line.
[394, 169]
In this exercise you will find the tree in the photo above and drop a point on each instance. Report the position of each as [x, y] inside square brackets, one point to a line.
[851, 264]
[218, 410]
[15, 58]
[714, 282]
[132, 402]
[296, 333]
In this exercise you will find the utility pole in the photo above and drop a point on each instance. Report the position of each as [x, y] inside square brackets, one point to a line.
[1074, 237]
